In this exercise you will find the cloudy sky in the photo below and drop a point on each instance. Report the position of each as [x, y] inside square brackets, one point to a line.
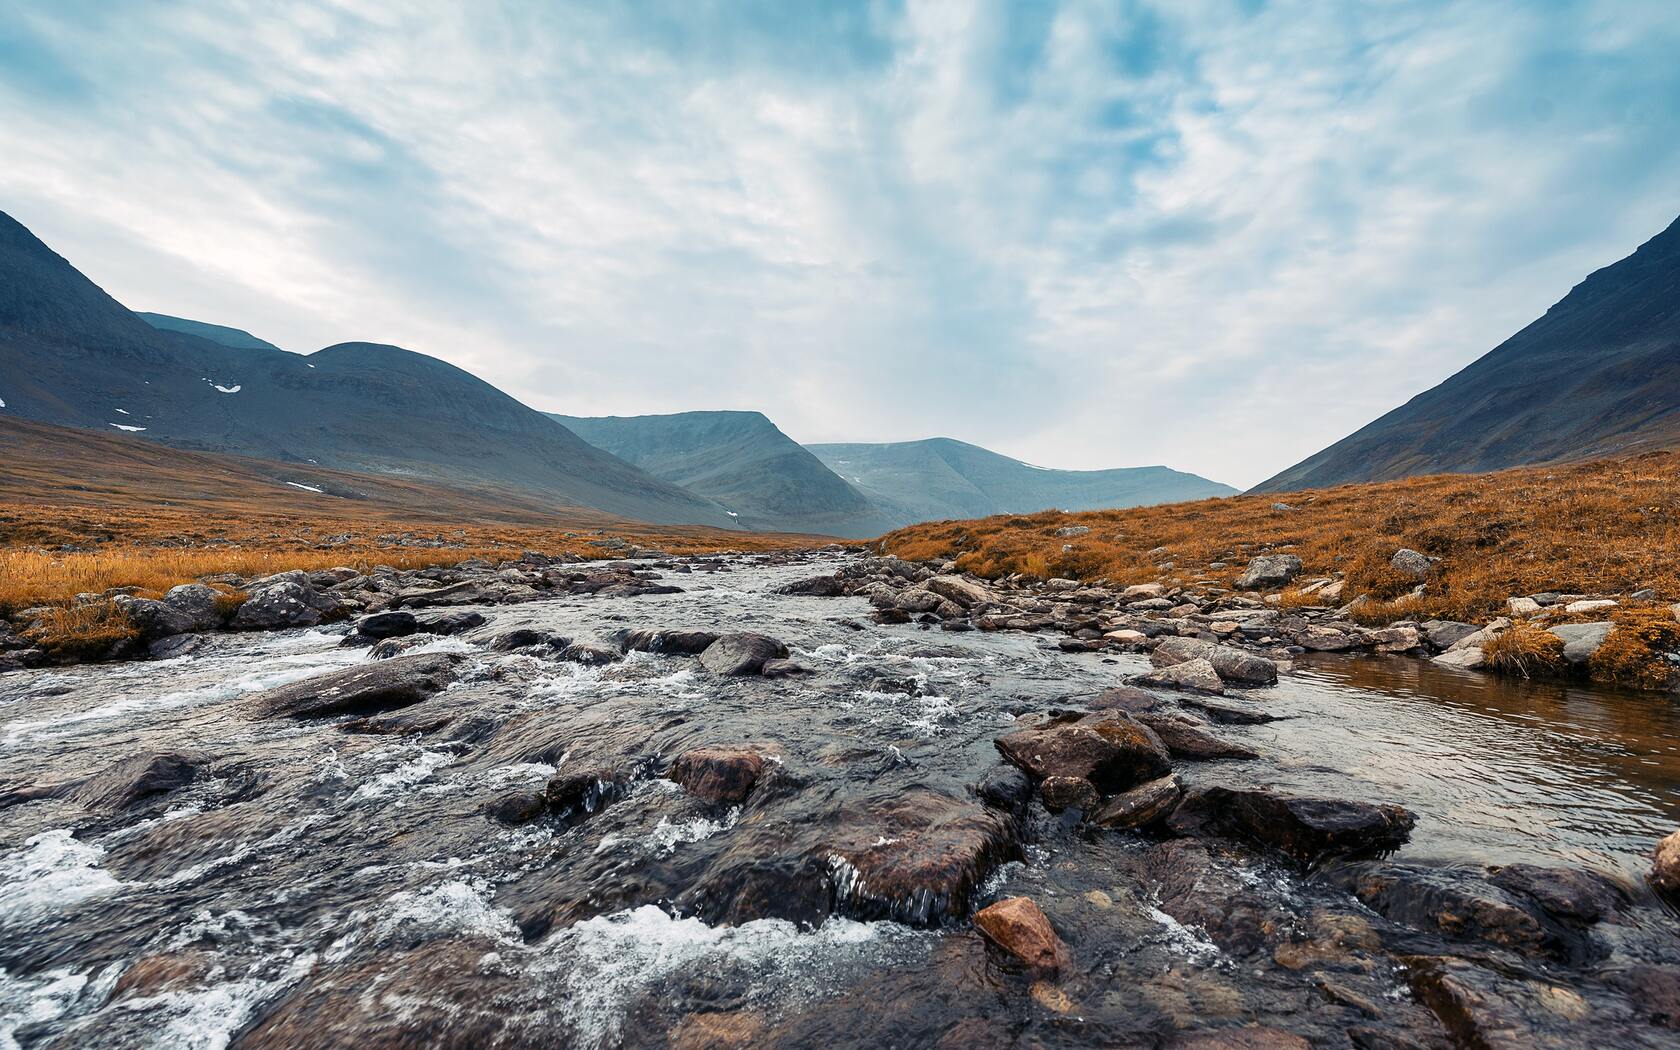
[1216, 235]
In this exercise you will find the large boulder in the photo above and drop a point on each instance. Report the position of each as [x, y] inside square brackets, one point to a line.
[199, 603]
[364, 689]
[1189, 739]
[394, 624]
[830, 586]
[1110, 749]
[1019, 927]
[281, 605]
[138, 778]
[741, 654]
[1139, 807]
[682, 642]
[1269, 570]
[152, 618]
[1230, 663]
[1411, 564]
[1306, 829]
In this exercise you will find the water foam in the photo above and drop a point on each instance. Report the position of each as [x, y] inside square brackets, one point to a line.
[52, 873]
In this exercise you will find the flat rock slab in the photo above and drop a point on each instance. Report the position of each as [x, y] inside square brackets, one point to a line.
[1110, 749]
[1306, 829]
[365, 689]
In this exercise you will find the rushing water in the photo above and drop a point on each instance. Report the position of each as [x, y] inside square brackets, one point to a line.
[359, 867]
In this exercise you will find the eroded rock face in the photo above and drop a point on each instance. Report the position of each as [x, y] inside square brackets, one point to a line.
[1307, 829]
[1111, 750]
[1019, 927]
[383, 686]
[741, 654]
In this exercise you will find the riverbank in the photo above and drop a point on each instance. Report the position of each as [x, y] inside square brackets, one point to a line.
[1583, 549]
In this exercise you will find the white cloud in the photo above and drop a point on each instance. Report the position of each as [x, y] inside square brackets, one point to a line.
[1112, 234]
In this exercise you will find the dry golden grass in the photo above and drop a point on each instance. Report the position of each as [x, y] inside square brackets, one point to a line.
[1602, 527]
[1526, 650]
[1633, 653]
[81, 632]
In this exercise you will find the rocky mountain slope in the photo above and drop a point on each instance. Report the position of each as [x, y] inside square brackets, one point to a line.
[237, 338]
[1598, 375]
[940, 478]
[741, 461]
[71, 355]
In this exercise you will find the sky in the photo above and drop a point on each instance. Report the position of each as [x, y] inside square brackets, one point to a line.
[1214, 234]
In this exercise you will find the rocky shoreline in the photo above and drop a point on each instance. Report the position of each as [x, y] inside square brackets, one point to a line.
[1336, 944]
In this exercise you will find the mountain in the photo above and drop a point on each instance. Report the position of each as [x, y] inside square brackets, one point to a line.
[1598, 375]
[73, 356]
[740, 461]
[940, 478]
[237, 338]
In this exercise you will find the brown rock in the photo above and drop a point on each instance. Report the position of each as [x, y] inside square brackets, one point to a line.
[1256, 1038]
[1197, 674]
[1061, 793]
[1019, 927]
[719, 774]
[366, 689]
[1111, 750]
[716, 1030]
[1665, 865]
[1187, 739]
[1139, 807]
[1307, 829]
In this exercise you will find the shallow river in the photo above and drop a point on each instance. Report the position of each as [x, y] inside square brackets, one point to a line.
[314, 878]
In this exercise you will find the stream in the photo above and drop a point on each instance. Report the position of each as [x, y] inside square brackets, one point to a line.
[324, 883]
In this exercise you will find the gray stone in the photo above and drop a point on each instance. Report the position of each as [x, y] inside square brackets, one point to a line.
[741, 654]
[281, 605]
[364, 689]
[1581, 640]
[1411, 563]
[152, 618]
[1197, 674]
[1269, 570]
[198, 603]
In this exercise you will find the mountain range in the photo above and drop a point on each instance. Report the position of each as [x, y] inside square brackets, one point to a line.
[72, 356]
[1597, 376]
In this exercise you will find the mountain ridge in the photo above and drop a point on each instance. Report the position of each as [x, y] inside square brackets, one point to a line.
[1598, 374]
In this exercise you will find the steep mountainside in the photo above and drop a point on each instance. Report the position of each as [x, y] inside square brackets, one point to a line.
[71, 355]
[237, 338]
[1598, 375]
[741, 461]
[941, 478]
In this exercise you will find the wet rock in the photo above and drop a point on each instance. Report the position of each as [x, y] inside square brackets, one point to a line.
[199, 603]
[589, 655]
[279, 606]
[1007, 788]
[138, 778]
[527, 638]
[1061, 793]
[1198, 675]
[1230, 663]
[1452, 903]
[1139, 807]
[516, 807]
[1254, 1037]
[1308, 830]
[450, 623]
[1566, 894]
[365, 689]
[1269, 570]
[586, 788]
[1408, 562]
[784, 669]
[176, 646]
[396, 624]
[1470, 658]
[676, 642]
[392, 647]
[831, 586]
[717, 1031]
[741, 654]
[1111, 750]
[469, 592]
[152, 618]
[1582, 640]
[1324, 639]
[1665, 865]
[719, 774]
[1483, 1011]
[1395, 639]
[1655, 993]
[1228, 712]
[162, 972]
[1187, 739]
[1018, 926]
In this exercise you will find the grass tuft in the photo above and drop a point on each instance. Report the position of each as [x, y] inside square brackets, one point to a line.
[1526, 650]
